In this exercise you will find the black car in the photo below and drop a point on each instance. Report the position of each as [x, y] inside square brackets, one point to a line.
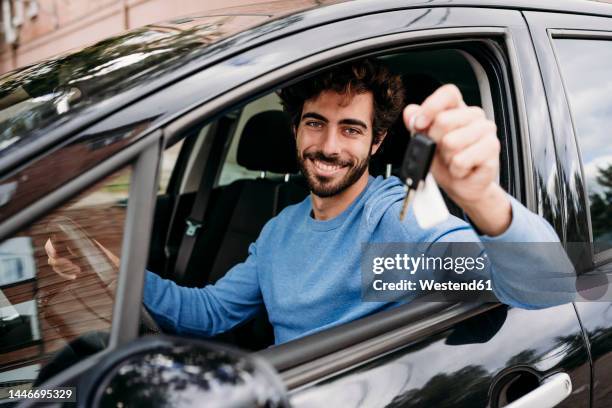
[108, 151]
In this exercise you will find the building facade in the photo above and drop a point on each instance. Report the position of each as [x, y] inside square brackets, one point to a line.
[33, 30]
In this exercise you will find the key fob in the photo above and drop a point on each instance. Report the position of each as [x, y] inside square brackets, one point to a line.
[417, 160]
[423, 192]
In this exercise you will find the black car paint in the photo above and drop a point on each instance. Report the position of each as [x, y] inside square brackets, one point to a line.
[558, 344]
[461, 366]
[184, 373]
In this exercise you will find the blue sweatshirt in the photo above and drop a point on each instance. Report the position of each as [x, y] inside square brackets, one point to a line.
[307, 272]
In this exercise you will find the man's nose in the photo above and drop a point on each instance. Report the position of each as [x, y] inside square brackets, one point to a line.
[331, 143]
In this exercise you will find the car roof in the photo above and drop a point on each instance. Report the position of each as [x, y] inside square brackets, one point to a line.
[117, 71]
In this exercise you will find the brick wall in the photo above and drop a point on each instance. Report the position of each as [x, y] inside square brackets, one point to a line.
[63, 25]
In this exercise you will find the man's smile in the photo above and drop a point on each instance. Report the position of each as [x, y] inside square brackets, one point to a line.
[325, 169]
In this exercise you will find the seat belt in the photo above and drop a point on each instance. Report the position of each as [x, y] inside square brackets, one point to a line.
[195, 220]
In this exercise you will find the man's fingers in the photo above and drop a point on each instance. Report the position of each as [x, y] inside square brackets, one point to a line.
[462, 163]
[444, 98]
[461, 138]
[485, 172]
[66, 275]
[409, 116]
[452, 119]
[113, 258]
[58, 262]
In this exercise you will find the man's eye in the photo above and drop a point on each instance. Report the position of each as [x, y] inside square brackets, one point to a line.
[313, 124]
[352, 131]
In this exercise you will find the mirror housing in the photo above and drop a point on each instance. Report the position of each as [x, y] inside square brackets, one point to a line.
[162, 371]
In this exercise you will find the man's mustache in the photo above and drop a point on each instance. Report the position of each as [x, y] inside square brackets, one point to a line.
[331, 160]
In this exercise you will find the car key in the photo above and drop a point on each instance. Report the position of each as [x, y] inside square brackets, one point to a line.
[415, 166]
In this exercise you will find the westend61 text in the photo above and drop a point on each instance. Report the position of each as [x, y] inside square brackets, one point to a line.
[430, 284]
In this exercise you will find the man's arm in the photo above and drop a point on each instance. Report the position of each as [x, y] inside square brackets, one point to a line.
[529, 267]
[209, 310]
[466, 166]
[204, 311]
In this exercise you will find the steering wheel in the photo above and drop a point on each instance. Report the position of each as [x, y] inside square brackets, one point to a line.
[95, 268]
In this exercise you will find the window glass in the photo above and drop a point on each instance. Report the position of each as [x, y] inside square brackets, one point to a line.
[45, 311]
[586, 66]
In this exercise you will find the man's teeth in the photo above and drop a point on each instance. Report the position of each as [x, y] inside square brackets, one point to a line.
[325, 167]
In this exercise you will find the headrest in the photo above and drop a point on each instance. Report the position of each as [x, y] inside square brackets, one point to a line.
[267, 143]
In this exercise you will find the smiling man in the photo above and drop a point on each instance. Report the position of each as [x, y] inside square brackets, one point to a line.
[305, 265]
[334, 143]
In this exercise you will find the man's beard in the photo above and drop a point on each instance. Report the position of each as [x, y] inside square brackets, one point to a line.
[326, 186]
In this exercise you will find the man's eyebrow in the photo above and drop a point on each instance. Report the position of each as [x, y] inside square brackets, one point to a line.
[348, 121]
[314, 115]
[355, 122]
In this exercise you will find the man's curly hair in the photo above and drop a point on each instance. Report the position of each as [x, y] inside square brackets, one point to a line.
[352, 78]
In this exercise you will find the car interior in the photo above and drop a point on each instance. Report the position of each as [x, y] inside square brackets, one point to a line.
[244, 165]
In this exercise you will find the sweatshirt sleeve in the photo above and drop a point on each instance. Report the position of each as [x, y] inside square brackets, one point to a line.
[529, 267]
[209, 310]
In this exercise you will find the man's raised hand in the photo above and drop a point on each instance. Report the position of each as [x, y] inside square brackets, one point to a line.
[466, 163]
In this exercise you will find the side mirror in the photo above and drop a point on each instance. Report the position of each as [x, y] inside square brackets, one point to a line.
[164, 371]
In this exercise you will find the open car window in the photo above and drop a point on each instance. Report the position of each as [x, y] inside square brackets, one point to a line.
[256, 175]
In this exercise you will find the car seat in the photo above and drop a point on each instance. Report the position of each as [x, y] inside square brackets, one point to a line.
[237, 212]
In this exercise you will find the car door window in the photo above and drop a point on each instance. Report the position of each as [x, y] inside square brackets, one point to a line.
[257, 173]
[483, 82]
[48, 313]
[590, 99]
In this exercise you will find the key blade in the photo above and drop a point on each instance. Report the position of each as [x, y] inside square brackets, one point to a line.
[406, 203]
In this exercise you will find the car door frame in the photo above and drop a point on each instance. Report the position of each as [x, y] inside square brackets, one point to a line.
[545, 28]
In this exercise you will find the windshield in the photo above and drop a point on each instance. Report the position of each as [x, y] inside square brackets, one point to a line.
[39, 96]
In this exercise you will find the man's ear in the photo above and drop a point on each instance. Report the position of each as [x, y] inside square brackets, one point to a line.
[381, 138]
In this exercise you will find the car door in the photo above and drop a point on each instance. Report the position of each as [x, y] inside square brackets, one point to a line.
[486, 356]
[575, 54]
